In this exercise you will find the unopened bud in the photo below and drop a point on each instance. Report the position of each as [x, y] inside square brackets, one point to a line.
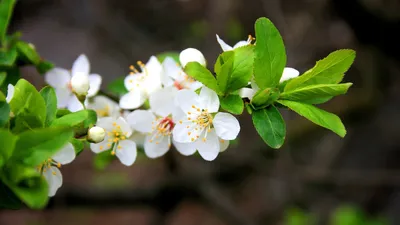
[191, 55]
[80, 85]
[96, 134]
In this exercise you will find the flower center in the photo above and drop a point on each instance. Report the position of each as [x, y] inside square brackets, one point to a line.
[47, 164]
[202, 120]
[162, 129]
[185, 83]
[138, 77]
[114, 137]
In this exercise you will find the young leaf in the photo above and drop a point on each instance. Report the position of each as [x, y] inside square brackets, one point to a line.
[7, 140]
[8, 56]
[29, 185]
[318, 116]
[242, 68]
[117, 87]
[270, 126]
[270, 55]
[76, 119]
[50, 98]
[4, 113]
[222, 58]
[263, 98]
[224, 70]
[202, 74]
[6, 9]
[35, 146]
[318, 92]
[3, 76]
[232, 103]
[329, 70]
[28, 105]
[28, 53]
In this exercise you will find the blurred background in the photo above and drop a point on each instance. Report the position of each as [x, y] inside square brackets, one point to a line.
[316, 178]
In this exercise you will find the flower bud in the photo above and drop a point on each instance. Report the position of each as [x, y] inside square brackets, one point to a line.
[191, 55]
[96, 134]
[80, 85]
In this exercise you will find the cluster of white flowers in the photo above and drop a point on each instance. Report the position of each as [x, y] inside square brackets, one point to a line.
[180, 111]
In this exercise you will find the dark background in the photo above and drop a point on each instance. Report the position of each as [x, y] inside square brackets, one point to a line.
[315, 171]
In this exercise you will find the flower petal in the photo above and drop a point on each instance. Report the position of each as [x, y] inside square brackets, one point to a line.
[241, 44]
[223, 145]
[162, 102]
[95, 83]
[225, 47]
[141, 120]
[191, 55]
[185, 99]
[185, 132]
[126, 152]
[10, 92]
[246, 93]
[138, 138]
[63, 97]
[185, 148]
[171, 68]
[133, 99]
[102, 146]
[74, 104]
[209, 100]
[81, 66]
[153, 67]
[124, 126]
[289, 73]
[58, 77]
[208, 149]
[226, 126]
[65, 155]
[106, 123]
[104, 106]
[54, 179]
[177, 114]
[156, 147]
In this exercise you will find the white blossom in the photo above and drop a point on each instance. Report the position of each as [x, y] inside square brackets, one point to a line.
[116, 139]
[50, 168]
[201, 126]
[80, 85]
[104, 106]
[141, 84]
[60, 80]
[225, 47]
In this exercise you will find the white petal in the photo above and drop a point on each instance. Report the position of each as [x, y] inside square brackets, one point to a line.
[65, 155]
[185, 132]
[226, 126]
[104, 106]
[125, 128]
[194, 85]
[162, 102]
[102, 146]
[141, 120]
[54, 179]
[254, 86]
[241, 44]
[58, 77]
[225, 47]
[246, 93]
[171, 68]
[10, 92]
[185, 99]
[209, 100]
[153, 67]
[289, 73]
[185, 148]
[63, 97]
[208, 149]
[95, 83]
[177, 114]
[106, 123]
[74, 104]
[81, 66]
[138, 138]
[156, 147]
[132, 100]
[223, 145]
[126, 152]
[191, 55]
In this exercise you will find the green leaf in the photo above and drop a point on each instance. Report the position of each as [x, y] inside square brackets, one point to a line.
[3, 76]
[223, 69]
[270, 126]
[232, 103]
[8, 200]
[44, 66]
[35, 146]
[62, 112]
[242, 69]
[103, 159]
[50, 98]
[8, 56]
[318, 116]
[28, 184]
[316, 92]
[264, 98]
[296, 216]
[222, 58]
[347, 215]
[28, 53]
[117, 87]
[4, 113]
[329, 70]
[82, 118]
[202, 74]
[270, 54]
[174, 55]
[28, 106]
[7, 140]
[6, 9]
[78, 145]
